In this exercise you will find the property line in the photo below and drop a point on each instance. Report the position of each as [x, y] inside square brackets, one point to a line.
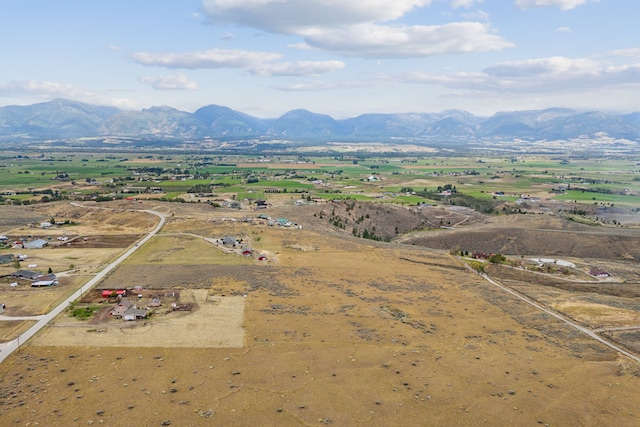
[582, 329]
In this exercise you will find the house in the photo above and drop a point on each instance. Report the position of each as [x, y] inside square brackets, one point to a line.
[6, 259]
[26, 274]
[596, 272]
[46, 224]
[35, 244]
[124, 305]
[133, 313]
[229, 241]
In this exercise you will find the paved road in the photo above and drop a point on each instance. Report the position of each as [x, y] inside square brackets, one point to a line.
[9, 347]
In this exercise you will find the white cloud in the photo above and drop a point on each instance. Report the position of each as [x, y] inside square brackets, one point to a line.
[477, 15]
[318, 86]
[464, 3]
[537, 76]
[564, 30]
[35, 90]
[301, 68]
[169, 82]
[44, 90]
[358, 28]
[291, 16]
[379, 41]
[562, 4]
[299, 46]
[213, 58]
[630, 53]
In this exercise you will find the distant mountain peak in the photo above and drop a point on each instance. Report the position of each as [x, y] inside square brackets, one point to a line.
[63, 118]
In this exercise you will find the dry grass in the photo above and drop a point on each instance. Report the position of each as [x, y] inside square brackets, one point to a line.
[339, 331]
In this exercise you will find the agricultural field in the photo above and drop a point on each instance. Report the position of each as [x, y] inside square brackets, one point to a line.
[352, 297]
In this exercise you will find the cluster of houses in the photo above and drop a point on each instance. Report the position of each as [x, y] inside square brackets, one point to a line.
[232, 242]
[23, 243]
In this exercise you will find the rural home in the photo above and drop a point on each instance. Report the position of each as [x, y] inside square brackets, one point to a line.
[44, 282]
[229, 241]
[122, 306]
[596, 272]
[134, 313]
[35, 244]
[26, 274]
[6, 259]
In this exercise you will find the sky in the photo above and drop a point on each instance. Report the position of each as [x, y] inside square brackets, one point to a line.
[338, 57]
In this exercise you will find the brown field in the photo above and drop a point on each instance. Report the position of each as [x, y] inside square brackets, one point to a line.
[333, 330]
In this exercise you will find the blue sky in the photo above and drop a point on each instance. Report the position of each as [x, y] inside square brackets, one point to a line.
[337, 57]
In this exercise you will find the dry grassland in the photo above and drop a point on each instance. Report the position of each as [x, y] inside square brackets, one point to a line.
[338, 331]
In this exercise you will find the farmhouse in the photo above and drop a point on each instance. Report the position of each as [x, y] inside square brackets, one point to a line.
[35, 244]
[124, 305]
[134, 313]
[229, 241]
[6, 259]
[596, 272]
[26, 274]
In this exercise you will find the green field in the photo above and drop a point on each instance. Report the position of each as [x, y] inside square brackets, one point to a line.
[41, 176]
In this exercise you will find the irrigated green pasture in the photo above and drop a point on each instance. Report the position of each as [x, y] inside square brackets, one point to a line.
[26, 178]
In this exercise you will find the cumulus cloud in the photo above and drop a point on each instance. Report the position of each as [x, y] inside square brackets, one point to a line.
[297, 69]
[357, 28]
[292, 16]
[379, 41]
[562, 4]
[169, 82]
[213, 58]
[545, 75]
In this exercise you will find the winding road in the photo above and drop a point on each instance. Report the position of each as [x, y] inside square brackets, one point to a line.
[9, 347]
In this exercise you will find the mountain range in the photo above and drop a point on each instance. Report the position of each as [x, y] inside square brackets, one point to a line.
[65, 119]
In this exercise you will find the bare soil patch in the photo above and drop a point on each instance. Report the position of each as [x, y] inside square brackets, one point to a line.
[216, 323]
